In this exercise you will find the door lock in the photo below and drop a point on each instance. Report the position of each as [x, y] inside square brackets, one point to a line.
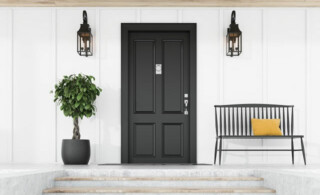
[186, 102]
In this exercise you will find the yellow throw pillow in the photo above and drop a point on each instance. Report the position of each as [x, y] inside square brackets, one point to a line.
[266, 126]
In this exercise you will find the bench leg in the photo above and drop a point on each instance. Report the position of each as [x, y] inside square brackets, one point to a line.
[220, 151]
[292, 150]
[215, 151]
[303, 152]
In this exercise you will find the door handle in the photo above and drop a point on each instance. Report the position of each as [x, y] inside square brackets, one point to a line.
[186, 103]
[186, 112]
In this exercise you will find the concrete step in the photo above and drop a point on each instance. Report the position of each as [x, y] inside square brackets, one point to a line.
[158, 181]
[159, 190]
[159, 171]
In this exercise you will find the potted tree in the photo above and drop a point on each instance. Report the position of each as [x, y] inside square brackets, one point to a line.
[76, 95]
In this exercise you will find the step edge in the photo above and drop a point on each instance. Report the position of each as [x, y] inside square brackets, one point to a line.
[159, 179]
[160, 190]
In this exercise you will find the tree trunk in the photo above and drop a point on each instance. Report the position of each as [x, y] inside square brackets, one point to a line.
[76, 130]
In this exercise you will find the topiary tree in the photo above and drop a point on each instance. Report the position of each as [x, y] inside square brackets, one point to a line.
[76, 94]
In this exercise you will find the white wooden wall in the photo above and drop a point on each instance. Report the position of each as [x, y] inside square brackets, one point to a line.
[280, 64]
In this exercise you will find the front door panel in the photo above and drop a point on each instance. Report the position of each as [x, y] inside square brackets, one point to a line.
[158, 90]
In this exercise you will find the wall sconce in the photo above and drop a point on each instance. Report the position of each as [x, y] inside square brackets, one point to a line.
[234, 38]
[84, 38]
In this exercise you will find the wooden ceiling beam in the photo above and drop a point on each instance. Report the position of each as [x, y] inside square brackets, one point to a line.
[160, 3]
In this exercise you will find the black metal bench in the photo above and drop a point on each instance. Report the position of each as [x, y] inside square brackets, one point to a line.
[234, 122]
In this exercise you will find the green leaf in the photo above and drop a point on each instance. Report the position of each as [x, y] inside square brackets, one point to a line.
[66, 113]
[76, 105]
[79, 96]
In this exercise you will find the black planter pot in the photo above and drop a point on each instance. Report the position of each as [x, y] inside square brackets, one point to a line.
[75, 152]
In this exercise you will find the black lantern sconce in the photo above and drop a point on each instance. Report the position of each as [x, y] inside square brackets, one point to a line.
[84, 38]
[234, 38]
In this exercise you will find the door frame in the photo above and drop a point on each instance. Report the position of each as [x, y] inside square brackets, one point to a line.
[126, 28]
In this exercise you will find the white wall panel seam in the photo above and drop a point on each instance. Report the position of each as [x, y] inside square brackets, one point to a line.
[221, 56]
[221, 66]
[12, 77]
[265, 55]
[263, 75]
[97, 46]
[307, 75]
[54, 50]
[262, 55]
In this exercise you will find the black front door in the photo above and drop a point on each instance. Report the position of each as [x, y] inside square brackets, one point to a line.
[159, 97]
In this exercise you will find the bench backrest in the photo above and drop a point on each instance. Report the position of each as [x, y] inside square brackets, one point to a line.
[235, 120]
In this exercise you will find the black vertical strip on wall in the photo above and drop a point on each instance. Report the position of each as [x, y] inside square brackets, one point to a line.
[284, 121]
[246, 119]
[233, 121]
[216, 118]
[250, 120]
[292, 120]
[270, 113]
[288, 122]
[229, 120]
[220, 124]
[281, 121]
[241, 121]
[224, 121]
[237, 114]
[279, 116]
[238, 121]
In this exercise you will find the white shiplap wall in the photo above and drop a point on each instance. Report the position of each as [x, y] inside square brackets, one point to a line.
[279, 64]
[6, 131]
